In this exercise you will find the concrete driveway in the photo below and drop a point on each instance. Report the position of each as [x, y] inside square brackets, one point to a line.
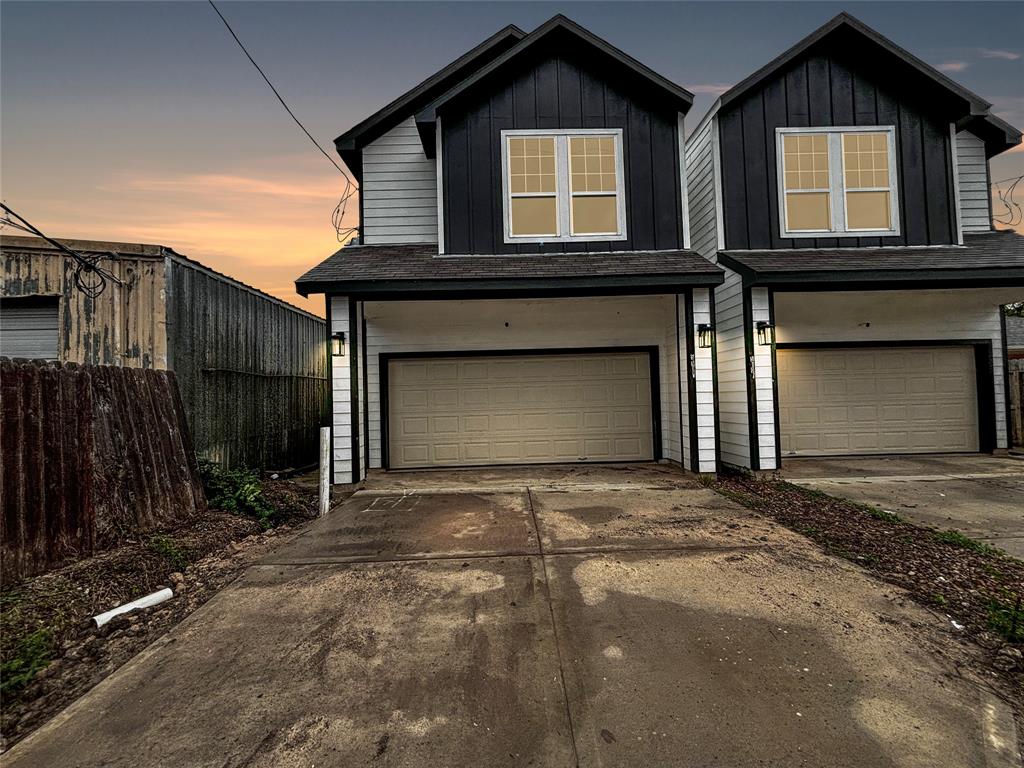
[980, 496]
[547, 617]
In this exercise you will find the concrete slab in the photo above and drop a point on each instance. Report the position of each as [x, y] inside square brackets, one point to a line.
[573, 521]
[387, 526]
[980, 496]
[752, 659]
[411, 664]
[513, 479]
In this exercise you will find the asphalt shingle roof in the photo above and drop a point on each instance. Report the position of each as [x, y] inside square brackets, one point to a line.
[1015, 332]
[983, 256]
[418, 266]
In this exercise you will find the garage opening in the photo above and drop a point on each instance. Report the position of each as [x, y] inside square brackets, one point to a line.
[536, 408]
[877, 400]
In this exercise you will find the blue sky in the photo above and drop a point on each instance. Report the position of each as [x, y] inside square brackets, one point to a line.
[143, 121]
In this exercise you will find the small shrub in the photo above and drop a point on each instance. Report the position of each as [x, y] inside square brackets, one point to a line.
[176, 555]
[237, 491]
[1007, 619]
[32, 653]
[957, 539]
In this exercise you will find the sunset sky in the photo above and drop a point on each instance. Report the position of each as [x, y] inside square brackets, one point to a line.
[143, 122]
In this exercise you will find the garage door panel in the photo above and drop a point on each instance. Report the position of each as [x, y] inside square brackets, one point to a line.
[520, 409]
[915, 400]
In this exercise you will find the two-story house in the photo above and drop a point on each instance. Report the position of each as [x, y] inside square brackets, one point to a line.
[844, 186]
[523, 291]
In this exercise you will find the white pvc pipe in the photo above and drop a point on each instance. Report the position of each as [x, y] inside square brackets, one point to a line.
[325, 470]
[143, 602]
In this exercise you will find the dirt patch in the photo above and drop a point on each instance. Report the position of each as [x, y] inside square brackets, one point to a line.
[977, 588]
[50, 650]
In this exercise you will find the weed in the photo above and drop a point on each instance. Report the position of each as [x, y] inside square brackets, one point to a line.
[179, 557]
[32, 653]
[957, 539]
[237, 491]
[881, 514]
[1007, 619]
[940, 600]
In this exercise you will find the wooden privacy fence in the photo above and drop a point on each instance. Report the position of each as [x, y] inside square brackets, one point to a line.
[1017, 401]
[89, 455]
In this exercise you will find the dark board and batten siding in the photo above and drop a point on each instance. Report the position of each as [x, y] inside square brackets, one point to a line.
[558, 92]
[827, 91]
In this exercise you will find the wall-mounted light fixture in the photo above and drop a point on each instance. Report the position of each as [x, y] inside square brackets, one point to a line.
[765, 333]
[705, 335]
[338, 344]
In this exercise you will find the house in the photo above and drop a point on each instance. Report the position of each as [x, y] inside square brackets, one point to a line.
[251, 369]
[844, 187]
[524, 290]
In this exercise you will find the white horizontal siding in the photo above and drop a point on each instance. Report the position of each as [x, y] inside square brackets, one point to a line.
[704, 386]
[456, 326]
[764, 389]
[399, 189]
[733, 419]
[972, 179]
[700, 181]
[900, 316]
[341, 396]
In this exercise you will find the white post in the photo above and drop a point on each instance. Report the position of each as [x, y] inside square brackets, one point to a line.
[325, 470]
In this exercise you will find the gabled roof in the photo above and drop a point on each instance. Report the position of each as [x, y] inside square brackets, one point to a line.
[844, 23]
[676, 96]
[998, 135]
[350, 143]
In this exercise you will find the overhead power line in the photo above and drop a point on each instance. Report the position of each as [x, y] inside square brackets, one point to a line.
[90, 278]
[350, 185]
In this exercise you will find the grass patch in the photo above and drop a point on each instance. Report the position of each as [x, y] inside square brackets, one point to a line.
[176, 555]
[957, 539]
[881, 514]
[1007, 619]
[31, 654]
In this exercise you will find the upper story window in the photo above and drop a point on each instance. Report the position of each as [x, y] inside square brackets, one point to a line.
[837, 181]
[563, 185]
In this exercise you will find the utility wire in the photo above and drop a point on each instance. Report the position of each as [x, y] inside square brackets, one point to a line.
[350, 186]
[1013, 215]
[90, 278]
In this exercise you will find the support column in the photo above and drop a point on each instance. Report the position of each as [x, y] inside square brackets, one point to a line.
[703, 390]
[345, 393]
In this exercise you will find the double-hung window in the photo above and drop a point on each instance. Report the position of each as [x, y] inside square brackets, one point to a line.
[837, 181]
[561, 186]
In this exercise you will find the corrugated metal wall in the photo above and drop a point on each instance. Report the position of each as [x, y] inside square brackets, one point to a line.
[252, 370]
[124, 325]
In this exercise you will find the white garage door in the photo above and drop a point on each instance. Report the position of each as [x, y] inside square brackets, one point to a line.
[529, 409]
[877, 400]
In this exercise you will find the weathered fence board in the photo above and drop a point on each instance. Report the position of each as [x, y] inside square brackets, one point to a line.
[91, 455]
[1017, 400]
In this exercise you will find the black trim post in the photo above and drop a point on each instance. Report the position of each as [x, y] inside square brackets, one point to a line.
[365, 392]
[691, 384]
[330, 384]
[748, 348]
[353, 370]
[775, 382]
[1006, 381]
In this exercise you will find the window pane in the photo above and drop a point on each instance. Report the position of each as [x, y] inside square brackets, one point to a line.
[531, 164]
[534, 216]
[805, 158]
[866, 160]
[807, 211]
[592, 164]
[593, 214]
[867, 210]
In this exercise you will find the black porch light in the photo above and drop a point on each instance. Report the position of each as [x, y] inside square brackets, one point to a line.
[705, 335]
[765, 333]
[338, 344]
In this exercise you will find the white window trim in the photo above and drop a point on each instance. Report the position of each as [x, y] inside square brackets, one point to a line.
[837, 182]
[563, 196]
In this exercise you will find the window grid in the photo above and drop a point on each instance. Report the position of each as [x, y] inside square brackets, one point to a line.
[580, 171]
[859, 170]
